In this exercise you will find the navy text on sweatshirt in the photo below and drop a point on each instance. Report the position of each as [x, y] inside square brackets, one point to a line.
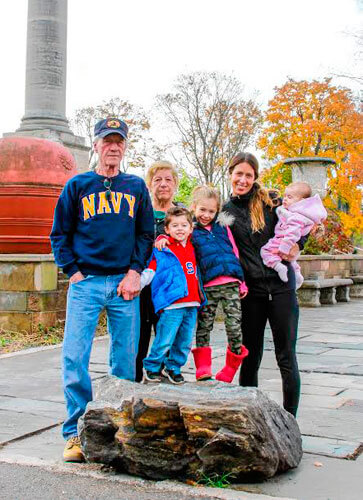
[99, 233]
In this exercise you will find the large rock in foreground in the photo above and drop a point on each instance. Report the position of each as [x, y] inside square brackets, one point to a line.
[161, 431]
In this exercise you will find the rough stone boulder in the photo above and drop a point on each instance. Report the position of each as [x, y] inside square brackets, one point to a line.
[161, 431]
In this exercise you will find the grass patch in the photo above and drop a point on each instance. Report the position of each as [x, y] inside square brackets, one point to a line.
[12, 341]
[216, 480]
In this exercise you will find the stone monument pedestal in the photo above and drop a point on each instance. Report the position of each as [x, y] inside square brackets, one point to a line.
[29, 293]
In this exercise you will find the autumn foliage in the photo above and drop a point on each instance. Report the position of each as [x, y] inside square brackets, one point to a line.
[332, 240]
[317, 119]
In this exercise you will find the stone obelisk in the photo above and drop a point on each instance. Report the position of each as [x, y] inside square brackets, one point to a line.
[46, 71]
[46, 67]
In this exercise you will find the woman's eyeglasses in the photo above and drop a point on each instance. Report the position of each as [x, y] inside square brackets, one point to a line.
[107, 184]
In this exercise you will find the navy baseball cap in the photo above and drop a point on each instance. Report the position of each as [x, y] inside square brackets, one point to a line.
[111, 125]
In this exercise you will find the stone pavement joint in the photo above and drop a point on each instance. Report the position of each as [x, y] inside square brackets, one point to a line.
[335, 448]
[29, 434]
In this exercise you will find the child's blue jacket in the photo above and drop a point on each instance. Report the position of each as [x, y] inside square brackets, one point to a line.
[169, 283]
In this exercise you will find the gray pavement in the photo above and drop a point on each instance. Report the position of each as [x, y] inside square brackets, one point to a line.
[330, 353]
[35, 483]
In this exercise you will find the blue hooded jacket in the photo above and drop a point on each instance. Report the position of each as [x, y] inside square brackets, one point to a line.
[169, 283]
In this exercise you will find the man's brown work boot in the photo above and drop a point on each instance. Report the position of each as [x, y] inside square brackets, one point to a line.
[72, 451]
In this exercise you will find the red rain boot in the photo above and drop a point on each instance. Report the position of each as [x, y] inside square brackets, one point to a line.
[233, 362]
[203, 362]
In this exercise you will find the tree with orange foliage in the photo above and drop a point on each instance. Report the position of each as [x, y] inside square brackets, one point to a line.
[317, 119]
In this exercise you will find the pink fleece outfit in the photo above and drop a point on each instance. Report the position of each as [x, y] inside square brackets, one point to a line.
[294, 222]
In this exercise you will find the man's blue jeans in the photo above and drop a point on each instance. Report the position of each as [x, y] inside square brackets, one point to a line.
[174, 333]
[86, 299]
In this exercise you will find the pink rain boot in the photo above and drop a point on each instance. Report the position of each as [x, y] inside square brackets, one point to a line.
[233, 362]
[203, 362]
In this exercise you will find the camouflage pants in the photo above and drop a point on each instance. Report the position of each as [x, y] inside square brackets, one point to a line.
[228, 294]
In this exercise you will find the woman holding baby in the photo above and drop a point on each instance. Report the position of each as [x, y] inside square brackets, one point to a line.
[272, 295]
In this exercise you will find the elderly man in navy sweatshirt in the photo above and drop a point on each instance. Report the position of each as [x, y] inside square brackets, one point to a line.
[102, 235]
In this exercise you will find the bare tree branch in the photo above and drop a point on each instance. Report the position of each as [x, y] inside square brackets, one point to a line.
[140, 146]
[212, 120]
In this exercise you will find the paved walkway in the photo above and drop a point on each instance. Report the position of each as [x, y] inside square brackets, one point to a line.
[330, 352]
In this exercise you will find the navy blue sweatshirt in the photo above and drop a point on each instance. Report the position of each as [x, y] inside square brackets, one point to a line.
[98, 236]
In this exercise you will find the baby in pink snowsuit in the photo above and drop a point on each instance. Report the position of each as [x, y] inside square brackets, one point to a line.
[298, 214]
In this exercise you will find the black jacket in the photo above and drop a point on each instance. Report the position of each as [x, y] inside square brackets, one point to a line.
[261, 280]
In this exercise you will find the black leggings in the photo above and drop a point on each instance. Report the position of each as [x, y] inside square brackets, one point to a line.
[148, 319]
[282, 312]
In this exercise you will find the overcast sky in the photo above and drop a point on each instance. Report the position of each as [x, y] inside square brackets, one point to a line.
[135, 49]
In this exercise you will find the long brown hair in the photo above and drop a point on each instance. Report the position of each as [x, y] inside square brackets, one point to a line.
[260, 195]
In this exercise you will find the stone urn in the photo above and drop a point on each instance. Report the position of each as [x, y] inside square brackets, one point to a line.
[32, 175]
[311, 169]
